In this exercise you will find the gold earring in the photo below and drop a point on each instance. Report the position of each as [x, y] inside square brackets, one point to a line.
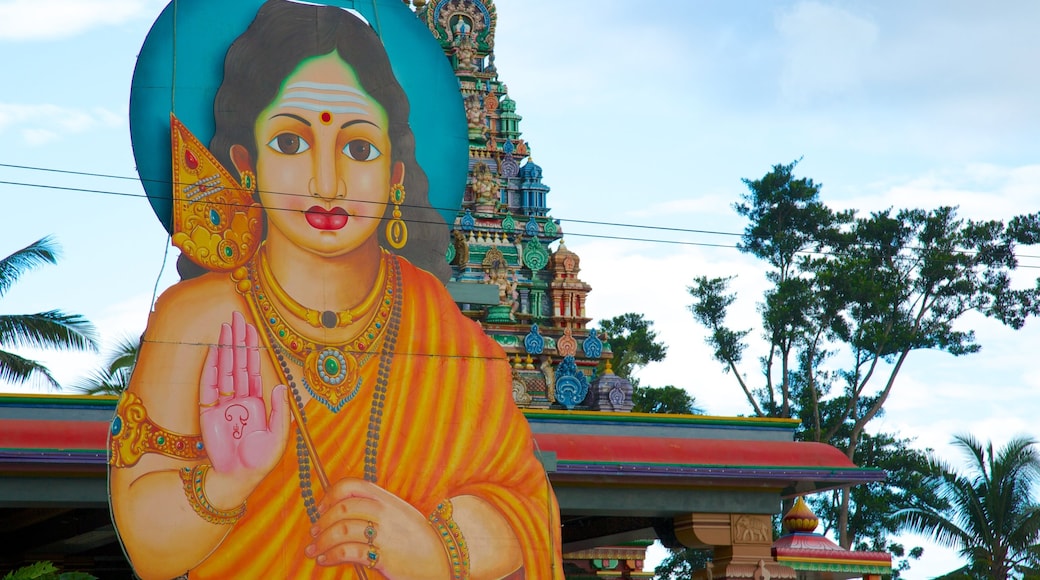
[396, 229]
[248, 181]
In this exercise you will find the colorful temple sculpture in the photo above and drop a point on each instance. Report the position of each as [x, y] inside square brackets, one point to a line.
[527, 296]
[622, 479]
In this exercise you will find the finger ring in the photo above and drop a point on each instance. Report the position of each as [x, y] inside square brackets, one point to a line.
[373, 556]
[207, 405]
[226, 394]
[370, 532]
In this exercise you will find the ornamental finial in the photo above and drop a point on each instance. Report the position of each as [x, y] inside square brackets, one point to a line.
[800, 519]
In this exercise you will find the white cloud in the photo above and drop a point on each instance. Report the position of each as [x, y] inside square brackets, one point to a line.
[44, 124]
[979, 190]
[825, 50]
[51, 19]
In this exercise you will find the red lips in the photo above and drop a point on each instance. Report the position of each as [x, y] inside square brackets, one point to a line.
[320, 218]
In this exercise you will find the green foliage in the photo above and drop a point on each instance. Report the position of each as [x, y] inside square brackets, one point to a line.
[45, 571]
[851, 297]
[681, 564]
[669, 399]
[113, 377]
[633, 342]
[987, 510]
[53, 329]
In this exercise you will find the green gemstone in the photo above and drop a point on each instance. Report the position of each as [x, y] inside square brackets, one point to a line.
[160, 440]
[332, 366]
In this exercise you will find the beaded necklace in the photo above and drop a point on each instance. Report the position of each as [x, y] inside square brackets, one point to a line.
[331, 372]
[306, 455]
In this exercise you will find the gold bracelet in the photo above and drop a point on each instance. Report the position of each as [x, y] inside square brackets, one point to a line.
[194, 480]
[133, 434]
[451, 536]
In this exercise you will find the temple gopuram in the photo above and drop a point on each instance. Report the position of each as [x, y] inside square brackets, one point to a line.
[623, 479]
[527, 296]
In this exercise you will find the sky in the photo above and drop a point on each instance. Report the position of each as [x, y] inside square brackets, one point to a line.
[642, 114]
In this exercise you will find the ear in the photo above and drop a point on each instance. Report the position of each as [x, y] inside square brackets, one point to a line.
[396, 173]
[241, 159]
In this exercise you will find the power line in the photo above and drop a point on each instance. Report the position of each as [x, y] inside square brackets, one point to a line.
[171, 183]
[569, 233]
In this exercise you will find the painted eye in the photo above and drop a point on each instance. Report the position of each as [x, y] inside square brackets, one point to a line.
[361, 150]
[289, 144]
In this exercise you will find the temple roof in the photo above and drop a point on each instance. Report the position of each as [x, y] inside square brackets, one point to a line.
[806, 551]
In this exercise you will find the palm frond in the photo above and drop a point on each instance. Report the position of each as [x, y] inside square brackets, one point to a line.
[53, 329]
[19, 370]
[988, 511]
[38, 253]
[113, 376]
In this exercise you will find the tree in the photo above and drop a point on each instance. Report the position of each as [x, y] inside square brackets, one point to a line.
[988, 510]
[851, 298]
[113, 377]
[633, 342]
[52, 329]
[45, 571]
[668, 399]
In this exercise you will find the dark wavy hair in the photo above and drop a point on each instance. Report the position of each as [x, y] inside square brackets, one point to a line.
[282, 36]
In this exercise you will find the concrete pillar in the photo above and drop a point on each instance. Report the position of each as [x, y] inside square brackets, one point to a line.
[742, 545]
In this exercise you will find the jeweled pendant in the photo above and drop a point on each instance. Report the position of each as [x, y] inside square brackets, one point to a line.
[329, 373]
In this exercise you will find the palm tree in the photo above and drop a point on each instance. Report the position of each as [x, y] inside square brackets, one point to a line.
[113, 377]
[53, 329]
[989, 512]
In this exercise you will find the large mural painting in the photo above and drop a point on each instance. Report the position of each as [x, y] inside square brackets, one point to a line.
[308, 401]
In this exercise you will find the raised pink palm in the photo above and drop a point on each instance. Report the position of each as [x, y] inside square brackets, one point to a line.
[240, 438]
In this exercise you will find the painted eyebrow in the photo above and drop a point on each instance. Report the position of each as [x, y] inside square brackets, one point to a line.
[291, 116]
[356, 121]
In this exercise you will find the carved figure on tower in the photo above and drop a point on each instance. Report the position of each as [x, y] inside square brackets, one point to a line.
[485, 189]
[465, 53]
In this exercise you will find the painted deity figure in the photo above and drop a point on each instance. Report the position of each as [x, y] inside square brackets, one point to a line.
[485, 186]
[466, 52]
[475, 113]
[345, 421]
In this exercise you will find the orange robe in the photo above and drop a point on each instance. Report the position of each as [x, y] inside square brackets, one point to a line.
[449, 428]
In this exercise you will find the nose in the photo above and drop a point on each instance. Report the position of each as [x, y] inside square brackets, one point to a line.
[326, 183]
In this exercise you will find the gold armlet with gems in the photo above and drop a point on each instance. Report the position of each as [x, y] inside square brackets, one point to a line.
[451, 537]
[216, 222]
[133, 434]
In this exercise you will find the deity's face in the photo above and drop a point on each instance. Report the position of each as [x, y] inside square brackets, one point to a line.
[323, 159]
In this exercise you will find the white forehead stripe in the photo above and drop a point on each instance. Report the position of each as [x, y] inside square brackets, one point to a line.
[325, 87]
[320, 108]
[324, 97]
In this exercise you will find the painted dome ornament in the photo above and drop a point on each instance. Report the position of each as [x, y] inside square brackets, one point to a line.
[531, 228]
[536, 257]
[567, 346]
[534, 343]
[592, 345]
[571, 385]
[509, 224]
[551, 229]
[468, 222]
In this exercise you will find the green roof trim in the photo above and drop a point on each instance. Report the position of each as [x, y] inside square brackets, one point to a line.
[657, 418]
[719, 466]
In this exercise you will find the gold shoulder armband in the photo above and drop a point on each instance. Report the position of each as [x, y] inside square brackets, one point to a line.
[133, 434]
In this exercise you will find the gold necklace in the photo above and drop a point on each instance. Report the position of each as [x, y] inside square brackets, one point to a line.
[326, 318]
[331, 372]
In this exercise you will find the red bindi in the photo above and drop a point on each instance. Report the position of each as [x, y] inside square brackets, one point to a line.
[326, 117]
